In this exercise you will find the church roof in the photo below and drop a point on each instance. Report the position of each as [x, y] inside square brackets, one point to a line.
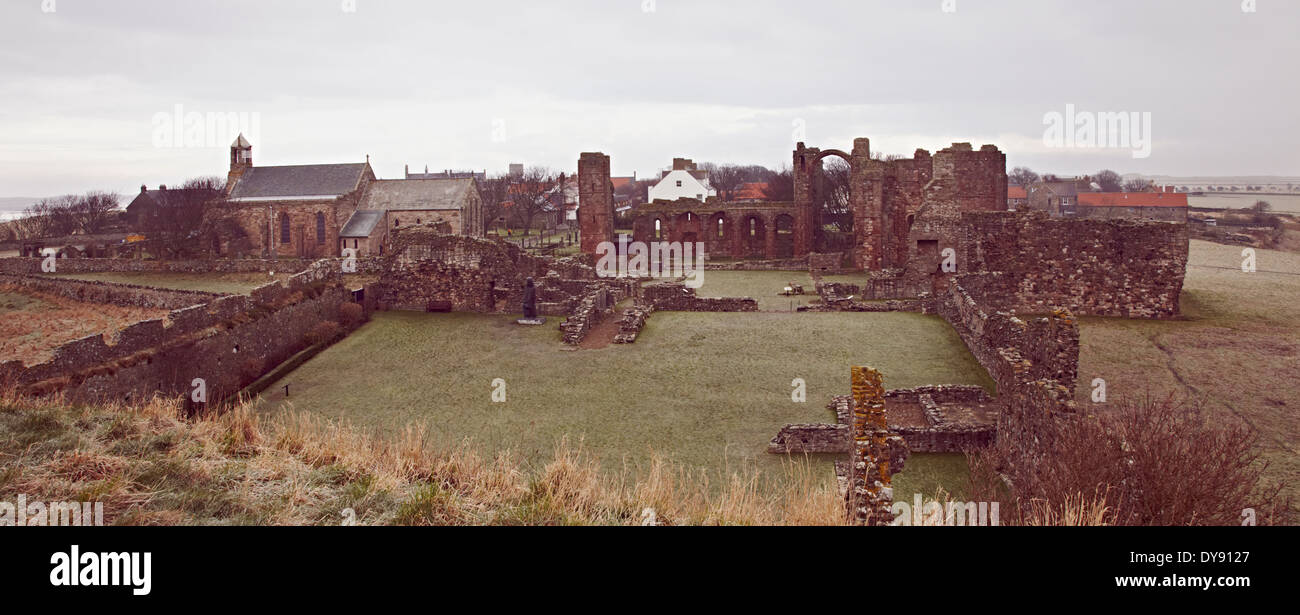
[362, 223]
[241, 142]
[308, 181]
[417, 194]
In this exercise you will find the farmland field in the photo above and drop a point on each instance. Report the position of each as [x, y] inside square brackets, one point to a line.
[1237, 349]
[33, 324]
[705, 390]
[1282, 203]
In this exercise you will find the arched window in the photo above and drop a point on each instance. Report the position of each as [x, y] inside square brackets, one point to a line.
[658, 231]
[720, 235]
[396, 223]
[284, 227]
[753, 227]
[320, 228]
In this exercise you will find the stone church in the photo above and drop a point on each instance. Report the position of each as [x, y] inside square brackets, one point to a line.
[317, 210]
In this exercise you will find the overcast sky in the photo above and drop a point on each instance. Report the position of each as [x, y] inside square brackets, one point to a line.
[480, 84]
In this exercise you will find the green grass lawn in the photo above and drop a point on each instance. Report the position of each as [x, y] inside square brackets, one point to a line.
[223, 283]
[760, 285]
[1237, 348]
[705, 390]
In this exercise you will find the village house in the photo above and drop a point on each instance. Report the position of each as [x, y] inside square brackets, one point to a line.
[1017, 198]
[1168, 206]
[684, 181]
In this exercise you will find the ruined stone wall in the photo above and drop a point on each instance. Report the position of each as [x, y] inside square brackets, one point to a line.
[1010, 348]
[676, 297]
[125, 295]
[32, 266]
[1128, 268]
[431, 271]
[228, 343]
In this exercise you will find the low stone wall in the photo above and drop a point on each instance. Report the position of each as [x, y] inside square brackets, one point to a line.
[595, 305]
[789, 264]
[630, 325]
[831, 262]
[125, 295]
[676, 297]
[940, 435]
[1010, 348]
[368, 265]
[228, 343]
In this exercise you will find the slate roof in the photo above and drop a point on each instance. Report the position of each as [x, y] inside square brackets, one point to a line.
[417, 194]
[362, 223]
[308, 180]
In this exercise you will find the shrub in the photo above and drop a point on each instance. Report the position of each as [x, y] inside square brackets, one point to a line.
[1147, 462]
[351, 314]
[324, 332]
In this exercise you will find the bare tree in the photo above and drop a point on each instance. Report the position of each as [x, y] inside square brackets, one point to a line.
[1137, 185]
[175, 225]
[780, 186]
[1109, 181]
[833, 195]
[93, 211]
[494, 191]
[531, 193]
[1023, 177]
[726, 179]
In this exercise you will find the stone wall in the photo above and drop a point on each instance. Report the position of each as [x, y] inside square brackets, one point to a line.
[228, 343]
[1010, 348]
[676, 297]
[125, 295]
[430, 271]
[32, 266]
[595, 304]
[1128, 268]
[630, 325]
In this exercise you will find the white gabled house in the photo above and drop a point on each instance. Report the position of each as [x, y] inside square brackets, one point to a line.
[683, 182]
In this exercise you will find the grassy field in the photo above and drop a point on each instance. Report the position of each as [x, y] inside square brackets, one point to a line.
[760, 285]
[1238, 349]
[1282, 203]
[223, 283]
[706, 391]
[32, 325]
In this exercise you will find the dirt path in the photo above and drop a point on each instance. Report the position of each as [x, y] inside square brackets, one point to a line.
[602, 334]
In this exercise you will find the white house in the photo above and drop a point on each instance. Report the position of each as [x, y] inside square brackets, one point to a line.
[684, 181]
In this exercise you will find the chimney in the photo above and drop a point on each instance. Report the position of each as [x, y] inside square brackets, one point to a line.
[143, 188]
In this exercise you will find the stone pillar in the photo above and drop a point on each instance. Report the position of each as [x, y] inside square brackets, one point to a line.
[870, 493]
[595, 201]
[806, 166]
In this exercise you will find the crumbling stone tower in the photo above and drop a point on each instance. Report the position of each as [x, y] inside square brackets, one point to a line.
[871, 497]
[595, 201]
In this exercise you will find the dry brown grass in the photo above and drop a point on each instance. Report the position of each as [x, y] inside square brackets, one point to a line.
[34, 323]
[151, 466]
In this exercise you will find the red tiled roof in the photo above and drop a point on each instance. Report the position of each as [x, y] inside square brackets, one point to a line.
[619, 182]
[751, 191]
[1132, 199]
[1017, 192]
